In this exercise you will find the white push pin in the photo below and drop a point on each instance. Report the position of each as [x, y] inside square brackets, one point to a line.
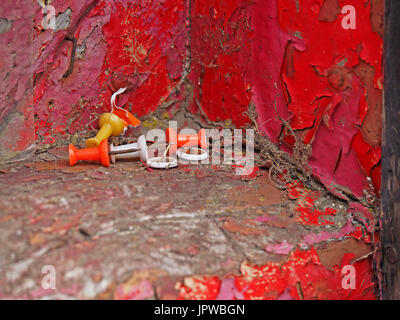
[140, 146]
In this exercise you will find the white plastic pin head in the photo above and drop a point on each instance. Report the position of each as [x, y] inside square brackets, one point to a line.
[141, 154]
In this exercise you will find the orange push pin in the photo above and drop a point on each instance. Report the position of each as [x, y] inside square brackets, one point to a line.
[99, 154]
[128, 118]
[185, 140]
[110, 125]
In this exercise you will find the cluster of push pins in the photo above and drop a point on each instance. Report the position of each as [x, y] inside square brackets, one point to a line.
[185, 146]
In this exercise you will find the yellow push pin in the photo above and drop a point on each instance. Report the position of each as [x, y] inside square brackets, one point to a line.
[110, 125]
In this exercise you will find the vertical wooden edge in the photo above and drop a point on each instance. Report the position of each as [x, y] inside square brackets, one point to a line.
[390, 193]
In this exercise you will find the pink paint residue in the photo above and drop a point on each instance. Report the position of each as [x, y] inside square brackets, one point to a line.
[228, 290]
[313, 238]
[280, 248]
[144, 290]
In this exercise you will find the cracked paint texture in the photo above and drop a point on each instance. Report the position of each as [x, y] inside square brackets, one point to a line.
[66, 107]
[136, 239]
[327, 97]
[292, 60]
[296, 63]
[303, 276]
[16, 107]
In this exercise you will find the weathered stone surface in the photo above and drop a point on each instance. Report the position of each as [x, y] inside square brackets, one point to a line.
[97, 226]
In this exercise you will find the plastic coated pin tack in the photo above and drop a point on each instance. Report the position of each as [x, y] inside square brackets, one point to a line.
[99, 154]
[110, 125]
[140, 145]
[185, 140]
[195, 154]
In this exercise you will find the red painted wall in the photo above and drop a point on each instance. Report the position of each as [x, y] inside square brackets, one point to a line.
[294, 59]
[139, 44]
[291, 58]
[16, 106]
[212, 58]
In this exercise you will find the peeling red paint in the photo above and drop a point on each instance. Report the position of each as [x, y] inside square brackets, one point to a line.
[302, 277]
[369, 158]
[311, 216]
[219, 41]
[296, 190]
[71, 105]
[307, 212]
[325, 97]
[289, 77]
[268, 45]
[16, 109]
[66, 105]
[276, 56]
[291, 59]
[147, 40]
